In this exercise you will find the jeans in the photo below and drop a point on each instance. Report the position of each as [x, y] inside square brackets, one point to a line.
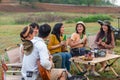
[65, 60]
[78, 51]
[57, 60]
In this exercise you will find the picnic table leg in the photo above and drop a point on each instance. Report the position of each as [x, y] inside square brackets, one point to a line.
[77, 65]
[109, 65]
[114, 72]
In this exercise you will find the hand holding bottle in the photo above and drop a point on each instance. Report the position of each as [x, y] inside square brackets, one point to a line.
[103, 43]
[62, 43]
[99, 42]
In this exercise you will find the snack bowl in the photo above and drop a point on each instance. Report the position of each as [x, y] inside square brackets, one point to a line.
[89, 58]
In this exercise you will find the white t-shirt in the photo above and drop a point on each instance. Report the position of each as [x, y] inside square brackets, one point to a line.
[41, 52]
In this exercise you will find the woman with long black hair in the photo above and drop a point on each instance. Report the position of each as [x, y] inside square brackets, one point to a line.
[105, 39]
[56, 44]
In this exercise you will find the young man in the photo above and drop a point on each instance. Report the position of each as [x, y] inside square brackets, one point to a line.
[35, 28]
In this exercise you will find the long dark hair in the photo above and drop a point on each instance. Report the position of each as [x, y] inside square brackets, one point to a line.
[102, 34]
[83, 28]
[56, 31]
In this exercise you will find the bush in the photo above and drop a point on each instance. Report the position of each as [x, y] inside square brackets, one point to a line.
[91, 18]
[40, 18]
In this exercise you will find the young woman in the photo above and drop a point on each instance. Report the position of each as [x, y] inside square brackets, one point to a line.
[78, 40]
[78, 43]
[35, 28]
[56, 43]
[35, 50]
[105, 39]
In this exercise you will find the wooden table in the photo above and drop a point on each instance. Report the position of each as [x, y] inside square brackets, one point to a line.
[78, 60]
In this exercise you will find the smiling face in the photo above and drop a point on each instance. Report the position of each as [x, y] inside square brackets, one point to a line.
[105, 28]
[35, 30]
[27, 33]
[30, 36]
[62, 30]
[80, 28]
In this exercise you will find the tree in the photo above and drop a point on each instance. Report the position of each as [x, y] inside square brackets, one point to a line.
[20, 1]
[96, 2]
[81, 2]
[29, 1]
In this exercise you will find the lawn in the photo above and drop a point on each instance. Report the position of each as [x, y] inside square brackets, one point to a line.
[9, 35]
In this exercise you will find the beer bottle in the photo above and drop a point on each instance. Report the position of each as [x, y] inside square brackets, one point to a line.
[103, 39]
[65, 38]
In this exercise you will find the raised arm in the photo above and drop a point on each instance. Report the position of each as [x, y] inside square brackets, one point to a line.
[74, 43]
[52, 44]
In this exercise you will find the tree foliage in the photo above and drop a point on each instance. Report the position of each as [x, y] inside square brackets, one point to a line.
[76, 2]
[29, 1]
[81, 2]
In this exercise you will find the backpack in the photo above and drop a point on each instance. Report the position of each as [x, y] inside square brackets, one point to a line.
[77, 77]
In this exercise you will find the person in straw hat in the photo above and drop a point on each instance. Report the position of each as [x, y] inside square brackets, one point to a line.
[105, 39]
[78, 44]
[78, 40]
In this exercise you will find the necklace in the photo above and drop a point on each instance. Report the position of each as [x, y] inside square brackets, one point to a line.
[81, 36]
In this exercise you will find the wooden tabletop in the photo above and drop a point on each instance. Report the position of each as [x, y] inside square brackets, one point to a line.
[95, 60]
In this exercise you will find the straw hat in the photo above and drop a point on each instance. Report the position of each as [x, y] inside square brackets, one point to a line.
[106, 22]
[80, 22]
[28, 47]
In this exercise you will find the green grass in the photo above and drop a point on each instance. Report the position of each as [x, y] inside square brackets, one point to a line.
[9, 34]
[25, 18]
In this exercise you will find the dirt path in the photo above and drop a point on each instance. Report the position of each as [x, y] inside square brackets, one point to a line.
[15, 7]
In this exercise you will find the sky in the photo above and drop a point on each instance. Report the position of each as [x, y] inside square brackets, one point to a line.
[117, 2]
